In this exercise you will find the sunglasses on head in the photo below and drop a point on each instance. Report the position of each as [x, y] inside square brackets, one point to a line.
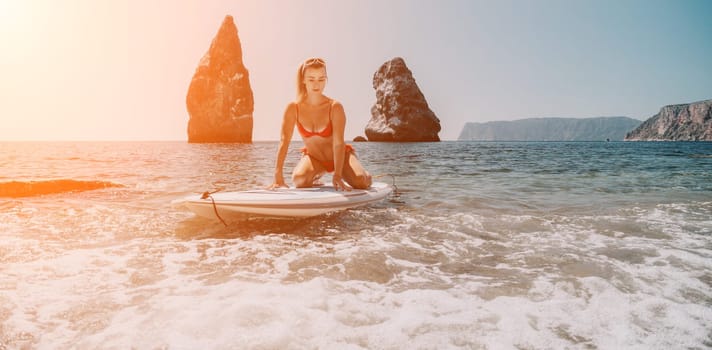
[312, 62]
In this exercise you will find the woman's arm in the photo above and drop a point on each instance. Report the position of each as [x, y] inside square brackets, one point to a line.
[338, 122]
[285, 138]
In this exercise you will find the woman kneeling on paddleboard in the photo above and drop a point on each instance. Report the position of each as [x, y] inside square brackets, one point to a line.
[321, 121]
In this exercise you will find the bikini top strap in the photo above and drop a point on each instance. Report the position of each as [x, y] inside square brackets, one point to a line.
[296, 106]
[331, 105]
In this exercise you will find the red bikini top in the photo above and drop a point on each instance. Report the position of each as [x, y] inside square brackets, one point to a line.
[326, 132]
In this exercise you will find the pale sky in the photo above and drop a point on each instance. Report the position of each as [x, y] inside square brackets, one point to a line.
[120, 70]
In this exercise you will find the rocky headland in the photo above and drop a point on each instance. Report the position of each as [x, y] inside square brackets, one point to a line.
[550, 129]
[220, 101]
[401, 113]
[683, 122]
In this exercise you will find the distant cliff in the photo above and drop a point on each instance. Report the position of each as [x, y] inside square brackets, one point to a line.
[551, 129]
[683, 122]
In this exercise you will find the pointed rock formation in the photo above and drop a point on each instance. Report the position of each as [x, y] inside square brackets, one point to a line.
[219, 100]
[401, 113]
[683, 122]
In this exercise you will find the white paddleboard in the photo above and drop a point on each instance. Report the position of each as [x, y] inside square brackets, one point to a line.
[283, 202]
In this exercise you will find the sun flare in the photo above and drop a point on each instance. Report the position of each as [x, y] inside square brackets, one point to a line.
[13, 14]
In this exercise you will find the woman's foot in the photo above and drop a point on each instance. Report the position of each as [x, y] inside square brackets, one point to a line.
[317, 182]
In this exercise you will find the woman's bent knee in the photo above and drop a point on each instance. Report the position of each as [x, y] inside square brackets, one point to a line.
[301, 180]
[361, 182]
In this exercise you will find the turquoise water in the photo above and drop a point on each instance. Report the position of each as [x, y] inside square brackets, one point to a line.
[490, 245]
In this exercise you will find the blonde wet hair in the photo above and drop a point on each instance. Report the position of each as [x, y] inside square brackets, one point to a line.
[314, 62]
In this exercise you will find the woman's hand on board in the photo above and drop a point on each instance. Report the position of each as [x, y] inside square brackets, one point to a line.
[339, 184]
[278, 182]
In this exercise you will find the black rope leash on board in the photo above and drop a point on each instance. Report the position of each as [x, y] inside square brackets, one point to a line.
[207, 195]
[396, 194]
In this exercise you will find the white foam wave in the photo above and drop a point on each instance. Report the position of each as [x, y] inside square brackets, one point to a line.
[638, 278]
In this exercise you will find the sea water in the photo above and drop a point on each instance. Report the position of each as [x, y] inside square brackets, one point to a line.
[601, 245]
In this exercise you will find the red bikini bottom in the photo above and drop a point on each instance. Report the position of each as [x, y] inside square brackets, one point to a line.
[329, 165]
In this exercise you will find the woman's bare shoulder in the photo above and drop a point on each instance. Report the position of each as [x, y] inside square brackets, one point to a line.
[336, 103]
[291, 108]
